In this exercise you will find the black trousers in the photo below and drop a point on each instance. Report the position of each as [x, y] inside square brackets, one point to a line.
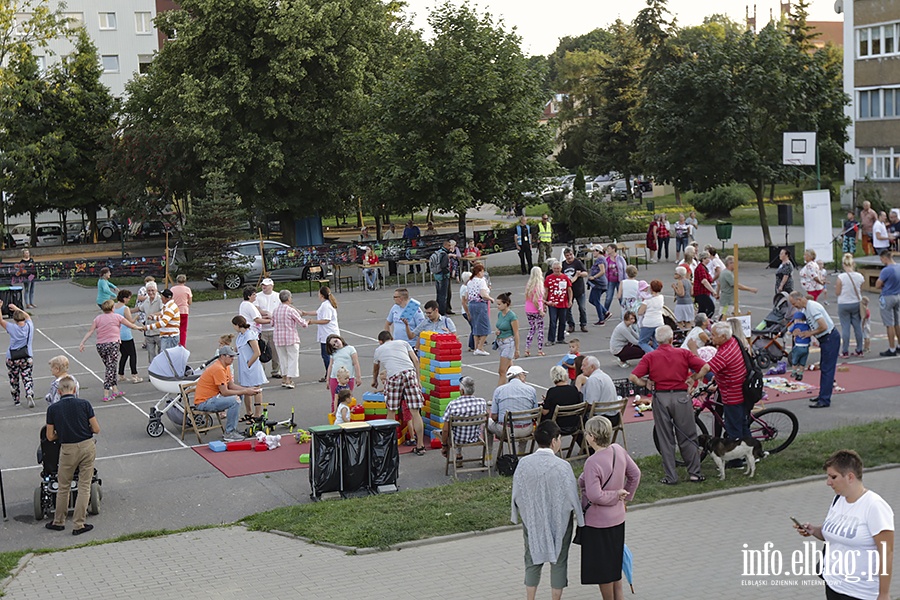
[127, 352]
[525, 256]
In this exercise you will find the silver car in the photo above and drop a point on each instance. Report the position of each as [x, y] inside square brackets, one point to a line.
[249, 250]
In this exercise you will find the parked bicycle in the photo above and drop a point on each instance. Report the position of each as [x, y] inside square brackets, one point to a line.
[775, 428]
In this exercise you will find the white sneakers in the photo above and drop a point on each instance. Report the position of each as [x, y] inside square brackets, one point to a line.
[481, 353]
[234, 436]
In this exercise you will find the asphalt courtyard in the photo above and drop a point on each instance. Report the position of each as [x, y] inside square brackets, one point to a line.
[152, 483]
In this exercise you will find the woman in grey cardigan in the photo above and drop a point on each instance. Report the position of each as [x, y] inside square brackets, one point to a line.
[624, 341]
[545, 495]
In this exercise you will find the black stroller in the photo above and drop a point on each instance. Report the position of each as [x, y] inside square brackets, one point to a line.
[768, 341]
[45, 493]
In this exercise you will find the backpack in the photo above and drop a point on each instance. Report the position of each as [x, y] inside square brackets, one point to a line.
[265, 351]
[753, 384]
[434, 262]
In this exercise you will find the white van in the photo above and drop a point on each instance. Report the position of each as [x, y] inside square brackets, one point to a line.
[48, 234]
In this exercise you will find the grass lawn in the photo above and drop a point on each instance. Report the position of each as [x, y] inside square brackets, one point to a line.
[483, 503]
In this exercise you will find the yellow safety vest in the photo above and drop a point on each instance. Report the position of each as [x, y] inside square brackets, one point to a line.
[545, 233]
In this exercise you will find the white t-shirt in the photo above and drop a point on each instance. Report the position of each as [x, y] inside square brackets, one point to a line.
[267, 302]
[249, 311]
[476, 284]
[848, 282]
[653, 315]
[877, 228]
[327, 311]
[694, 334]
[393, 356]
[848, 531]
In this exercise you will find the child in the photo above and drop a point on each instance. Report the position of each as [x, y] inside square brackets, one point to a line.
[800, 351]
[226, 340]
[568, 361]
[866, 324]
[823, 273]
[343, 383]
[851, 231]
[342, 412]
[59, 367]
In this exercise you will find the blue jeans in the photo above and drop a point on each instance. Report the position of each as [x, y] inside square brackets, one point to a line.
[736, 425]
[28, 292]
[229, 404]
[168, 341]
[647, 341]
[594, 299]
[611, 289]
[471, 345]
[326, 358]
[829, 345]
[371, 277]
[849, 315]
[582, 312]
[557, 331]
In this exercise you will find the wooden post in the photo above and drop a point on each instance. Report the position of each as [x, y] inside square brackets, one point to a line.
[262, 253]
[167, 259]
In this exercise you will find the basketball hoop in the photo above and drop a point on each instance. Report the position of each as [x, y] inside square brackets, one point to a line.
[799, 148]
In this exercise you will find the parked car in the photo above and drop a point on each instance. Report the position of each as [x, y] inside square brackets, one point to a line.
[73, 232]
[590, 188]
[250, 251]
[48, 234]
[619, 190]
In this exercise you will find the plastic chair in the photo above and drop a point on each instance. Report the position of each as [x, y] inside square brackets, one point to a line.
[200, 421]
[577, 434]
[453, 447]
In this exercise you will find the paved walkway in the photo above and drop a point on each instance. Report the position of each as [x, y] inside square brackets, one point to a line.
[677, 547]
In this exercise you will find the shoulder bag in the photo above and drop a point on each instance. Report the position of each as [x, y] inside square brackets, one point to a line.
[20, 353]
[862, 310]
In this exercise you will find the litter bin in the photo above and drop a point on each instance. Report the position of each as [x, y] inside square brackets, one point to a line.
[723, 232]
[384, 456]
[355, 458]
[651, 205]
[11, 294]
[324, 460]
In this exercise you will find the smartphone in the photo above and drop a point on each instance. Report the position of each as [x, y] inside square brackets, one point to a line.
[798, 524]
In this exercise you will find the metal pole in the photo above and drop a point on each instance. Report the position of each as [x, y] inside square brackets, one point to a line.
[3, 497]
[818, 169]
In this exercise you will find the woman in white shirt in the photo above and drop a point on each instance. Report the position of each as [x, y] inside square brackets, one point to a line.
[326, 318]
[848, 289]
[652, 311]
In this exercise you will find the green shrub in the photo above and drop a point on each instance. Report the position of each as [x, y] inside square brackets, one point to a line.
[719, 202]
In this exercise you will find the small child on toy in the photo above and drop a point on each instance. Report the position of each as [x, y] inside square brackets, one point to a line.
[800, 351]
[59, 368]
[866, 324]
[343, 383]
[342, 412]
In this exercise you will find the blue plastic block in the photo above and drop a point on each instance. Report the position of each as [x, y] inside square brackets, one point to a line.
[218, 446]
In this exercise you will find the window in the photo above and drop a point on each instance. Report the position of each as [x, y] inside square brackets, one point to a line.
[110, 63]
[142, 23]
[876, 103]
[107, 20]
[875, 41]
[878, 163]
[889, 102]
[864, 104]
[863, 42]
[42, 64]
[74, 20]
[889, 39]
[144, 61]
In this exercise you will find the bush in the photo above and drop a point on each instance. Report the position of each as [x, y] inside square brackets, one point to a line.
[588, 217]
[719, 202]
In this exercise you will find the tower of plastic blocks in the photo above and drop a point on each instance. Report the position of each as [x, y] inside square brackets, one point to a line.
[440, 366]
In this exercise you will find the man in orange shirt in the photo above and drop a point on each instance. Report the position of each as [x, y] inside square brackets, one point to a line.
[217, 391]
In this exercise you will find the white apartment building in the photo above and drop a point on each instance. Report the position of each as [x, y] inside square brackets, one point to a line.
[123, 32]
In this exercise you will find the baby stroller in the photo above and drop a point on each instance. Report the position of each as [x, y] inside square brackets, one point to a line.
[167, 372]
[670, 320]
[45, 493]
[768, 338]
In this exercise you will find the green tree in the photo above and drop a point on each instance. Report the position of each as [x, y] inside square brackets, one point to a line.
[265, 92]
[27, 24]
[459, 124]
[719, 115]
[210, 228]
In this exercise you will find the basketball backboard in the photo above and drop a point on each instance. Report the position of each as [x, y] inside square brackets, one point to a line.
[799, 148]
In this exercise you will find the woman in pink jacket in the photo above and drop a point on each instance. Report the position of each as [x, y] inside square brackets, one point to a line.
[610, 478]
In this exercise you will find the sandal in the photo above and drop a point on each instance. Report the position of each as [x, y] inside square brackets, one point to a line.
[665, 481]
[541, 353]
[248, 418]
[409, 443]
[322, 380]
[698, 479]
[420, 451]
[105, 399]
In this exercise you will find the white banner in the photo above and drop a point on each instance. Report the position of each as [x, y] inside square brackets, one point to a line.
[817, 226]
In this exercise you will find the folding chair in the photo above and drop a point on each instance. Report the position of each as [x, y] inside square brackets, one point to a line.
[200, 421]
[607, 408]
[642, 249]
[578, 411]
[479, 421]
[316, 275]
[522, 423]
[342, 279]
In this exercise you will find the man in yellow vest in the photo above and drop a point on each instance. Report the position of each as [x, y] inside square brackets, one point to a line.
[545, 239]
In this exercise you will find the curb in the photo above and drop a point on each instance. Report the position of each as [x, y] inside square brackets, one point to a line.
[352, 550]
[15, 571]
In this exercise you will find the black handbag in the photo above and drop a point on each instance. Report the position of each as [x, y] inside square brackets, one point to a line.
[20, 353]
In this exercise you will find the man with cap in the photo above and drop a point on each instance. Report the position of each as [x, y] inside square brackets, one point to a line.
[267, 301]
[168, 324]
[515, 395]
[216, 391]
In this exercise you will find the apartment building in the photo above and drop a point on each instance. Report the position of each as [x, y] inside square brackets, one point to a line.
[872, 80]
[123, 32]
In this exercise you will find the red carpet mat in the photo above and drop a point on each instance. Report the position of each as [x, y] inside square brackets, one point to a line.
[250, 462]
[856, 378]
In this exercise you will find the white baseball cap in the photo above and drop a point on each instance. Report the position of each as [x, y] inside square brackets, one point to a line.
[267, 281]
[515, 371]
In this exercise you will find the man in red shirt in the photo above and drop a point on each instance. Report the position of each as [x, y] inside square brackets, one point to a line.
[728, 366]
[666, 371]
